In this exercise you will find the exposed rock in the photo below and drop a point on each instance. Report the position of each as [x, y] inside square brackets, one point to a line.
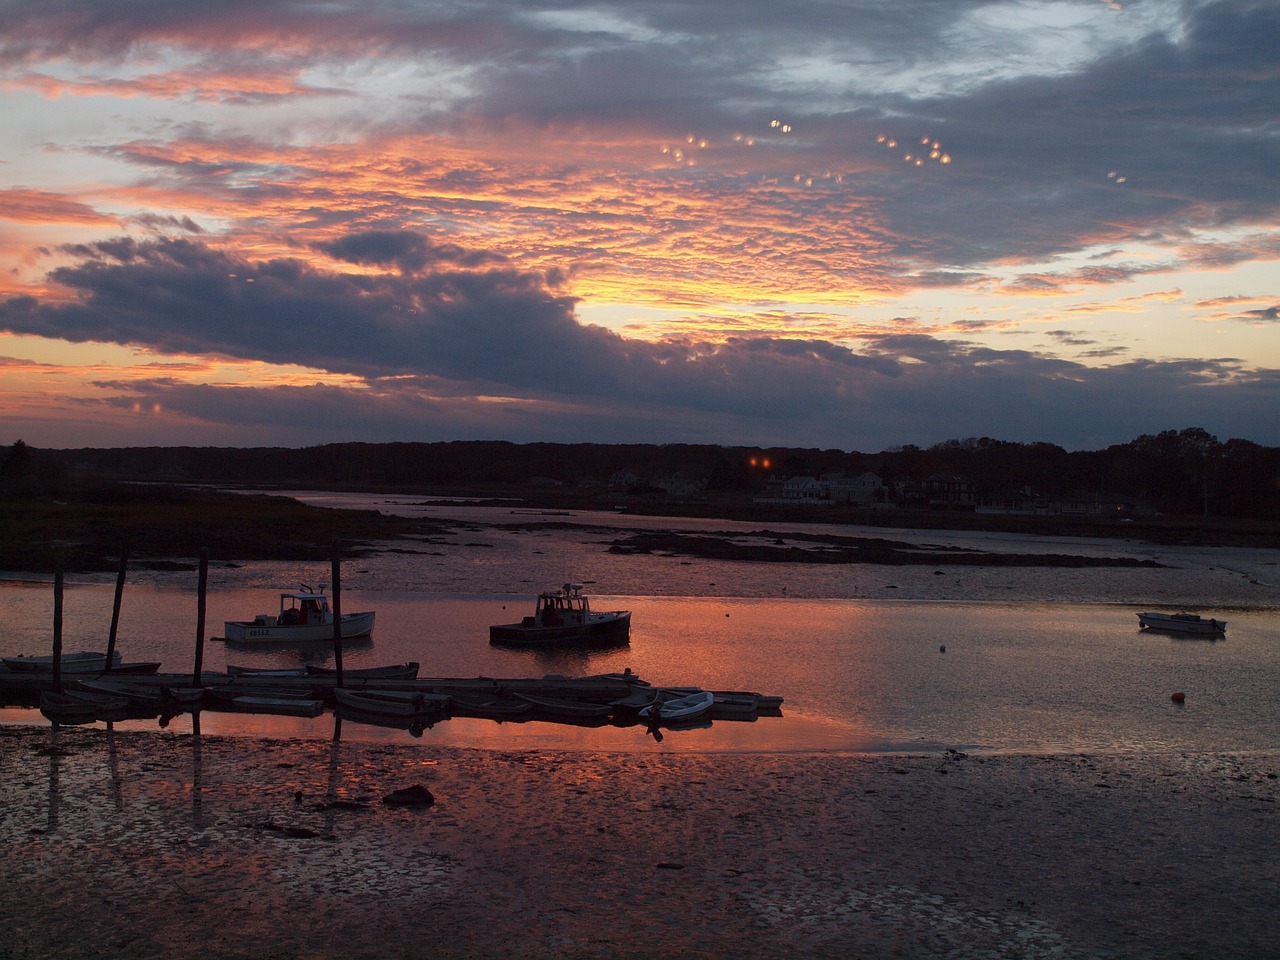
[415, 796]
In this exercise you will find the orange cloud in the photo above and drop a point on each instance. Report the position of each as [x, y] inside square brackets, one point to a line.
[40, 206]
[620, 228]
[204, 86]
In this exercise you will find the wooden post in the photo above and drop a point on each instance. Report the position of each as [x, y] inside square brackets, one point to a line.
[337, 611]
[57, 629]
[115, 610]
[200, 610]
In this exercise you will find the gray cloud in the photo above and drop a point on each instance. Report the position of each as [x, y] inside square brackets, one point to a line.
[429, 346]
[1268, 313]
[409, 251]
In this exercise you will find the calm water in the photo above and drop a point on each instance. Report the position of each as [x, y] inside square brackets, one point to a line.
[1035, 659]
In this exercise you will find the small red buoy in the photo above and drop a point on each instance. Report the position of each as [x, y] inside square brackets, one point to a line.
[1178, 697]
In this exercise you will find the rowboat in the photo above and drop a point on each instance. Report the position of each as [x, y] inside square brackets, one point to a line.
[142, 666]
[1182, 623]
[691, 706]
[392, 703]
[395, 671]
[81, 706]
[136, 694]
[236, 671]
[489, 706]
[557, 708]
[729, 704]
[634, 702]
[305, 615]
[231, 691]
[564, 618]
[184, 696]
[86, 661]
[285, 706]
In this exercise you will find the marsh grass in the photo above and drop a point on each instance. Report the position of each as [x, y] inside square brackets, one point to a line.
[87, 527]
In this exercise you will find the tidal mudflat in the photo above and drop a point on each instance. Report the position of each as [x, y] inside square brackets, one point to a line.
[140, 845]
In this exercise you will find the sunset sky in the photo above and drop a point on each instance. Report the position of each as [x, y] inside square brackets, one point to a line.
[850, 224]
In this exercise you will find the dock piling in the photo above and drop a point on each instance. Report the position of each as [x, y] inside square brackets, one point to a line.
[201, 599]
[337, 609]
[57, 629]
[115, 609]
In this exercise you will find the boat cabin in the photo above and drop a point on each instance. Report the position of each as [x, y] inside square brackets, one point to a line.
[297, 609]
[559, 608]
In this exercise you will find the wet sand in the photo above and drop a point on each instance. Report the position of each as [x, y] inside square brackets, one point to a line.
[155, 844]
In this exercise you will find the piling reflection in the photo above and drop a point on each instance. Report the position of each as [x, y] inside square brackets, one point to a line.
[113, 768]
[331, 794]
[55, 787]
[197, 790]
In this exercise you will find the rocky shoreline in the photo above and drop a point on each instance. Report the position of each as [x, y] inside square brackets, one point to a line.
[827, 548]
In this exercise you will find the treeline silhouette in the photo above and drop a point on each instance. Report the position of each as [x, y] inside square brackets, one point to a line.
[1176, 472]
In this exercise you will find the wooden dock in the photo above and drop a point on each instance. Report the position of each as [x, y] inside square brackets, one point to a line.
[22, 685]
[621, 695]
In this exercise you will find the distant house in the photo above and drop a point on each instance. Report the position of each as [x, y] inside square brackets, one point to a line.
[624, 479]
[803, 488]
[1104, 506]
[946, 492]
[1090, 505]
[864, 488]
[678, 485]
[1016, 503]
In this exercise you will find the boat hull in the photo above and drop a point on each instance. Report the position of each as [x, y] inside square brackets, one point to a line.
[555, 708]
[1182, 623]
[603, 630]
[354, 625]
[83, 662]
[392, 703]
[680, 710]
[283, 706]
[399, 671]
[137, 695]
[73, 708]
[489, 707]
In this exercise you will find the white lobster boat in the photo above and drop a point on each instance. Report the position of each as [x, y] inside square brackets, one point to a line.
[304, 615]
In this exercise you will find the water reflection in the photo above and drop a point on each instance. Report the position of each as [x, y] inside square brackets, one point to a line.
[197, 786]
[55, 783]
[856, 674]
[331, 794]
[113, 766]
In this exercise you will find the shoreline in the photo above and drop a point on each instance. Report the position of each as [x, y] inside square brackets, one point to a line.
[151, 844]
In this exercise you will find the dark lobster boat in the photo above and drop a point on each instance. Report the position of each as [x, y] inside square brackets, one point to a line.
[564, 618]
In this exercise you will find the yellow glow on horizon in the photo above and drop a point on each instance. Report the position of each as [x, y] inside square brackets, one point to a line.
[75, 366]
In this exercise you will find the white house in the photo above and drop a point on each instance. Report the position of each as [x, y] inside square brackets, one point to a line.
[864, 488]
[803, 488]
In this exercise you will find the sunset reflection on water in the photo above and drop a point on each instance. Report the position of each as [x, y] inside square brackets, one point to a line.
[856, 674]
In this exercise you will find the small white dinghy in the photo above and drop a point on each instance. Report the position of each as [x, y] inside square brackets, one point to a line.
[691, 706]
